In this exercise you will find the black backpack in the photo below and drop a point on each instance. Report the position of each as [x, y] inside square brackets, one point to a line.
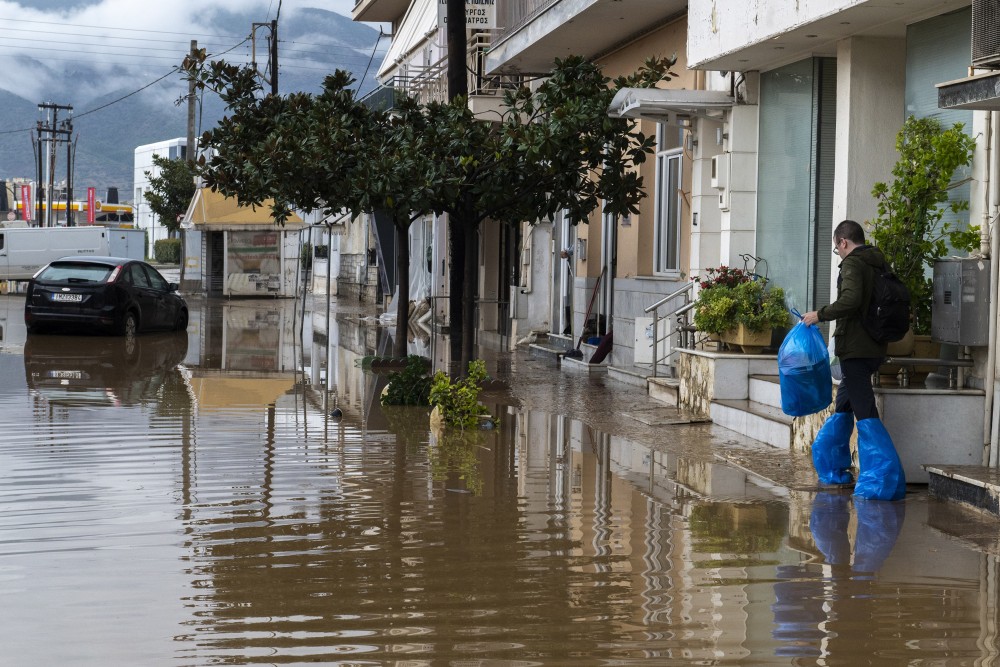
[888, 317]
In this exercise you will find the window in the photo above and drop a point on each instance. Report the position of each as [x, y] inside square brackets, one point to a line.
[669, 199]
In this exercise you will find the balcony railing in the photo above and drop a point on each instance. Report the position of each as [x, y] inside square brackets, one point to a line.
[430, 84]
[513, 14]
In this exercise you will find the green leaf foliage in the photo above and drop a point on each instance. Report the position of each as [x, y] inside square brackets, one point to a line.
[411, 386]
[167, 251]
[909, 229]
[458, 400]
[729, 297]
[170, 190]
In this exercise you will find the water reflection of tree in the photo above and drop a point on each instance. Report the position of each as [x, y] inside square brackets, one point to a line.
[741, 530]
[456, 452]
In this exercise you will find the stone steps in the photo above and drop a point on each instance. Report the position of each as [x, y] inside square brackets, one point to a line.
[765, 423]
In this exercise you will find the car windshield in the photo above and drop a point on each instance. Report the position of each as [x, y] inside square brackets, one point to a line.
[75, 273]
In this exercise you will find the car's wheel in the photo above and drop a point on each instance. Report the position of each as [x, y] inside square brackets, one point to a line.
[182, 320]
[129, 326]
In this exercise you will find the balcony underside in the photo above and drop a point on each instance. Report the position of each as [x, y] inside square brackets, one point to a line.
[534, 40]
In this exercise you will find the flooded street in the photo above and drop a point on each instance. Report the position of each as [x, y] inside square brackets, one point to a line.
[189, 500]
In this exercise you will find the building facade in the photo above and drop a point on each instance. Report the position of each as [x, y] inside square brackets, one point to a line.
[145, 219]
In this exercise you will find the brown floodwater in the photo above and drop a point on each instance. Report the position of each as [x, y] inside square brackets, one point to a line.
[190, 500]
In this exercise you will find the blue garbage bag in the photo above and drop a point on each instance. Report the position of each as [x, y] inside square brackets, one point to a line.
[880, 472]
[831, 451]
[804, 372]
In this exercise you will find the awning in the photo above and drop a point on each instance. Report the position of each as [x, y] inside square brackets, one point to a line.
[420, 22]
[212, 209]
[669, 105]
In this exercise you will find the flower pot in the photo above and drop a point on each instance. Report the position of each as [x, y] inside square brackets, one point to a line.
[902, 347]
[751, 342]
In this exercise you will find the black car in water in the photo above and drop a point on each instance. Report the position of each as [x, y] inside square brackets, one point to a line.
[102, 295]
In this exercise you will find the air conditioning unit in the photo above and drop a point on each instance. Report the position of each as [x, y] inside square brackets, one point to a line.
[986, 34]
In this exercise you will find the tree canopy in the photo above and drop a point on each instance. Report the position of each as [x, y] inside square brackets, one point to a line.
[554, 148]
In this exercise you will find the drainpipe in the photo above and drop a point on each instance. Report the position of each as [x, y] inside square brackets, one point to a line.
[992, 197]
[526, 258]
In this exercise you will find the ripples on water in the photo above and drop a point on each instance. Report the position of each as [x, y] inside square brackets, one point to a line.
[151, 533]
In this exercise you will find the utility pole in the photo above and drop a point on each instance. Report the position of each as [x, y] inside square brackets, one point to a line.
[53, 132]
[272, 54]
[189, 149]
[462, 238]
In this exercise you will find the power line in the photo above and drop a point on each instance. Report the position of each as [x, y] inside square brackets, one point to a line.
[377, 39]
[98, 35]
[125, 97]
[106, 28]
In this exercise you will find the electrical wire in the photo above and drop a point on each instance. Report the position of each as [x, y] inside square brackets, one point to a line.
[125, 97]
[374, 49]
[105, 28]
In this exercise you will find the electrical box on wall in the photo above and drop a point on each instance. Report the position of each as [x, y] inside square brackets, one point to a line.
[720, 171]
[961, 306]
[720, 178]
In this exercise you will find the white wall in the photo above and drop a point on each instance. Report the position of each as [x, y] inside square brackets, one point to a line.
[143, 161]
[871, 75]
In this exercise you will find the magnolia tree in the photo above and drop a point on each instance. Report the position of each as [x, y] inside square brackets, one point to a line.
[554, 149]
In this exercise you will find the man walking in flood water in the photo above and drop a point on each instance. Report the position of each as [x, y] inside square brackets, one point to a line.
[880, 474]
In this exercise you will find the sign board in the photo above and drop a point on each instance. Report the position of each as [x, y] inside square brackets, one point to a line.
[91, 202]
[481, 14]
[27, 206]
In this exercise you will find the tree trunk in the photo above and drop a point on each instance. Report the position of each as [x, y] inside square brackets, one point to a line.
[402, 290]
[469, 294]
[456, 279]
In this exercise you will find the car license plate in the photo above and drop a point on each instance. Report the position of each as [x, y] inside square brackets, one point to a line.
[66, 375]
[67, 297]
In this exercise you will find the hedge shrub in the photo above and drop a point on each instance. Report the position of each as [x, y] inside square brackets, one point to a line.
[167, 251]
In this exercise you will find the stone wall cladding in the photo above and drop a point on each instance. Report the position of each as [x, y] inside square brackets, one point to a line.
[697, 377]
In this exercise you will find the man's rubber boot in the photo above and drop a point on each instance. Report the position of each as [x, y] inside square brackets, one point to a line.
[831, 451]
[881, 474]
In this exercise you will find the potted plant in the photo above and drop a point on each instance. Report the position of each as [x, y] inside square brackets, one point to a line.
[739, 309]
[910, 228]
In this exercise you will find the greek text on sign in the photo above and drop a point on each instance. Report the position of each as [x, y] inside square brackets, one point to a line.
[480, 14]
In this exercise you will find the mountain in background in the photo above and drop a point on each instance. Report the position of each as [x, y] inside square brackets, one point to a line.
[312, 44]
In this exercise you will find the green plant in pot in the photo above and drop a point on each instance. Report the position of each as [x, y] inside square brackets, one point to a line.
[910, 228]
[732, 303]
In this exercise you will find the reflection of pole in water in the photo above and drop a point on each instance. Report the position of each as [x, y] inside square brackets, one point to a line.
[656, 567]
[602, 501]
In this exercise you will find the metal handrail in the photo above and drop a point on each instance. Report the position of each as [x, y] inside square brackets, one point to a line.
[674, 295]
[680, 313]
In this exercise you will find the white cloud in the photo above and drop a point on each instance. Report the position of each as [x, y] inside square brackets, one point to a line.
[128, 43]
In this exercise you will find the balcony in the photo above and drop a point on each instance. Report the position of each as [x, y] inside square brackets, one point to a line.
[379, 11]
[535, 32]
[430, 84]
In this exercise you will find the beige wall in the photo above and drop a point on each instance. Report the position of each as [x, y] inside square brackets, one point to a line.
[636, 239]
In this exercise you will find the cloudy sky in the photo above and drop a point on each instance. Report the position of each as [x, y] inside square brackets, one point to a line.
[42, 41]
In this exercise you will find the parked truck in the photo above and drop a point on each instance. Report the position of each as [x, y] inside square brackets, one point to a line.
[24, 251]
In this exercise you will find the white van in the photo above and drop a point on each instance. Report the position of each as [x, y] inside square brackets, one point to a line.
[24, 251]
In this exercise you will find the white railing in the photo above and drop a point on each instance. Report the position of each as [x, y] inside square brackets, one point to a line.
[682, 328]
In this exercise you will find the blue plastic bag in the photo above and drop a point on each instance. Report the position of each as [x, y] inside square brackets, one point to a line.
[804, 372]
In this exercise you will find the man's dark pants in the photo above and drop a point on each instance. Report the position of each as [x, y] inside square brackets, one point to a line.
[855, 390]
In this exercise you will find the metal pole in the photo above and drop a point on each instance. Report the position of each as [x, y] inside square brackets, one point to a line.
[274, 56]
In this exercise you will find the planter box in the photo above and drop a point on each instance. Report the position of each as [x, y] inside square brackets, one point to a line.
[751, 342]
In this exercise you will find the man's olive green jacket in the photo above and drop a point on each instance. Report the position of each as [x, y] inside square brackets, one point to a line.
[854, 291]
